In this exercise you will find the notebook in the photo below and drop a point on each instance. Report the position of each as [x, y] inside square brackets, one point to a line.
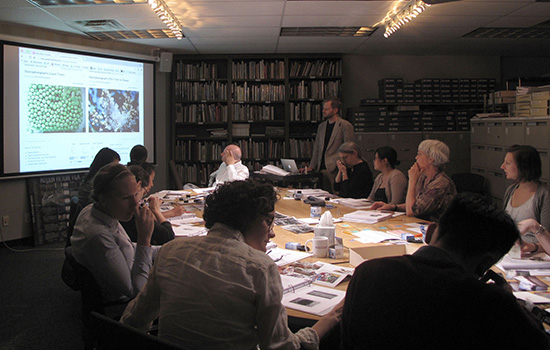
[290, 166]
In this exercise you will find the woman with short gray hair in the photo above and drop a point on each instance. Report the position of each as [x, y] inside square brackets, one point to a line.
[430, 189]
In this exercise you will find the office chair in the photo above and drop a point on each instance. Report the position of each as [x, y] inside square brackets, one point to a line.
[468, 182]
[75, 208]
[113, 335]
[81, 279]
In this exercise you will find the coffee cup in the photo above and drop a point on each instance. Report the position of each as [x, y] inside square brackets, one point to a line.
[319, 246]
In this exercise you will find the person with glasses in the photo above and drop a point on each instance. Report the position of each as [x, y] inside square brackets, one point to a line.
[354, 178]
[439, 297]
[430, 190]
[222, 291]
[391, 184]
[101, 244]
[162, 231]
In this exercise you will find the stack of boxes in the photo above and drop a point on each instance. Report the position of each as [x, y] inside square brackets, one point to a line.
[398, 107]
[540, 102]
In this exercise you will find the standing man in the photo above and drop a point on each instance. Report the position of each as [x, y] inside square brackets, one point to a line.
[232, 169]
[331, 133]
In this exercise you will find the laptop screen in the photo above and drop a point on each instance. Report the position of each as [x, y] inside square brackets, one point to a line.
[289, 165]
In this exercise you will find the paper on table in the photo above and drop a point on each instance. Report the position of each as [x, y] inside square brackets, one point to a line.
[179, 220]
[508, 263]
[357, 203]
[532, 297]
[367, 216]
[285, 256]
[372, 236]
[313, 221]
[204, 190]
[313, 299]
[187, 230]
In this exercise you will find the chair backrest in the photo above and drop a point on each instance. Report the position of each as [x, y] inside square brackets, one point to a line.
[75, 208]
[111, 334]
[176, 175]
[468, 182]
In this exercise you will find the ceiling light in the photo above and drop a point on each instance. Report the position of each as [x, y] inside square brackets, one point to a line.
[395, 20]
[167, 17]
[327, 31]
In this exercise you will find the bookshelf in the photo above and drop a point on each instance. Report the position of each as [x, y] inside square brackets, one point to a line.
[269, 105]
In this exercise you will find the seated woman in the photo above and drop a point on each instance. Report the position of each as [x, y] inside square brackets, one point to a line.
[430, 189]
[222, 291]
[149, 168]
[354, 178]
[163, 231]
[138, 155]
[527, 198]
[103, 157]
[99, 242]
[390, 185]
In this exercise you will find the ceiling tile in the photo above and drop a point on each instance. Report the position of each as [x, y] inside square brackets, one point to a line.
[15, 3]
[229, 32]
[236, 8]
[322, 8]
[24, 15]
[329, 21]
[243, 21]
[517, 22]
[535, 9]
[102, 11]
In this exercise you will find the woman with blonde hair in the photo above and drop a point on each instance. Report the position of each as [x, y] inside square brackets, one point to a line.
[430, 189]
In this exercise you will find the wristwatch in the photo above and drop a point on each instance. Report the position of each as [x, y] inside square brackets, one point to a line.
[395, 207]
[540, 230]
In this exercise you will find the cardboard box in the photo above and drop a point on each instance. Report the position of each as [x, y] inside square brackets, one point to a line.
[540, 95]
[360, 254]
[540, 103]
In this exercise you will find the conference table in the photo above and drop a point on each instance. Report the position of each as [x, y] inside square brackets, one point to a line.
[297, 208]
[287, 205]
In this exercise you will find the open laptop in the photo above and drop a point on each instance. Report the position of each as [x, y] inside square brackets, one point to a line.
[290, 166]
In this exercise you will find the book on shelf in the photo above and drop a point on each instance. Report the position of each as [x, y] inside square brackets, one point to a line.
[300, 294]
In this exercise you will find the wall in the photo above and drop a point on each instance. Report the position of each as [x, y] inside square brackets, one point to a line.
[15, 202]
[514, 67]
[361, 73]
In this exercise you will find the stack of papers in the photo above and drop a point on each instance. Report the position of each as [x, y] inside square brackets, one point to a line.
[509, 263]
[372, 236]
[315, 192]
[357, 203]
[368, 216]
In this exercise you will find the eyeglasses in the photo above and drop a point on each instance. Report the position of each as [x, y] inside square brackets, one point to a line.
[270, 221]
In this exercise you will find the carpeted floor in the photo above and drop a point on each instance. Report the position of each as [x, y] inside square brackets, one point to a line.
[38, 310]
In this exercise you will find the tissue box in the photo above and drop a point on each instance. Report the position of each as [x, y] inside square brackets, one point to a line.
[360, 254]
[329, 232]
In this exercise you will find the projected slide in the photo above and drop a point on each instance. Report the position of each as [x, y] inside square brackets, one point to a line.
[62, 107]
[113, 110]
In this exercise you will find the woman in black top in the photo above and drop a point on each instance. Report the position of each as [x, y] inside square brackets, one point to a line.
[163, 231]
[354, 178]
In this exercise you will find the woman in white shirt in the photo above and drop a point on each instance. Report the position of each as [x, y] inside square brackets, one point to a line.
[527, 198]
[99, 242]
